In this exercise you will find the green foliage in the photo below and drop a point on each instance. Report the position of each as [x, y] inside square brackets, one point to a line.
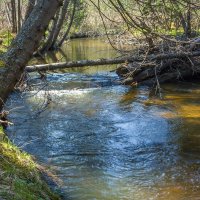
[152, 16]
[6, 38]
[80, 15]
[2, 63]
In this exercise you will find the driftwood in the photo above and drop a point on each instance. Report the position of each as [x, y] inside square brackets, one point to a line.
[159, 68]
[128, 59]
[81, 63]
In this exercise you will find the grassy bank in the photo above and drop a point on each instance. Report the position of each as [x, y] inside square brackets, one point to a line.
[20, 177]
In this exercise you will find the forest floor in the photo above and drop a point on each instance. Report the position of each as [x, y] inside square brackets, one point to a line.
[20, 175]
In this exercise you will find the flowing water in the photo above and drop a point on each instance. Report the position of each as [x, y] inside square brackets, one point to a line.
[111, 142]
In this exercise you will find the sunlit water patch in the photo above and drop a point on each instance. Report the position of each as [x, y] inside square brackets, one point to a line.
[111, 142]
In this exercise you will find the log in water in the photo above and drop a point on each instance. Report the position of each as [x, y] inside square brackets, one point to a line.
[80, 63]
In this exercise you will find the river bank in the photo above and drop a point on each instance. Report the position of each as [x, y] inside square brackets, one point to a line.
[109, 141]
[20, 175]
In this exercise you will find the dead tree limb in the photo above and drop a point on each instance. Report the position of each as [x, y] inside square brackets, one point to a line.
[83, 63]
[80, 63]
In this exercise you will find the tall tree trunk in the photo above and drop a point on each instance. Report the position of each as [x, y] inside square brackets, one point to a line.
[69, 26]
[31, 4]
[14, 16]
[46, 46]
[26, 42]
[60, 23]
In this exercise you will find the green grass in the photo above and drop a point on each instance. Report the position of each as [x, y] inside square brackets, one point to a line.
[20, 175]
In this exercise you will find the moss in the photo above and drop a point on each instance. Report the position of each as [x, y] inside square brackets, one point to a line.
[20, 177]
[2, 63]
[6, 38]
[3, 49]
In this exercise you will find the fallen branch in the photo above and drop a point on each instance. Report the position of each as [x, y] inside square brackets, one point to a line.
[83, 63]
[80, 63]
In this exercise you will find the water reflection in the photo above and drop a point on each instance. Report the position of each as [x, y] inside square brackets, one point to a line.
[108, 141]
[84, 49]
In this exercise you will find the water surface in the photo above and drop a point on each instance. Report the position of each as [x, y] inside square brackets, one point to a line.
[111, 142]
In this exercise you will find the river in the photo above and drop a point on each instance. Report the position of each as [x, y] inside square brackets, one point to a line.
[106, 141]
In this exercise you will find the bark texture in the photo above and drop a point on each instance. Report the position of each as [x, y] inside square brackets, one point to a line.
[26, 42]
[14, 16]
[50, 44]
[31, 4]
[60, 22]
